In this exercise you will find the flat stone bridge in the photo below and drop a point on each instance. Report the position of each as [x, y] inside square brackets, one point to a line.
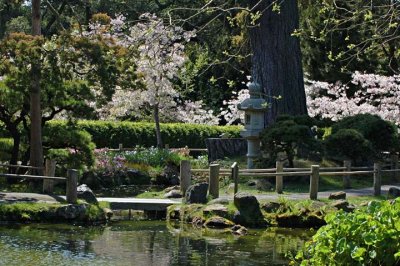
[139, 204]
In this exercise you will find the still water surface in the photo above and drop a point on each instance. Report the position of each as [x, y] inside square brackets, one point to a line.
[144, 243]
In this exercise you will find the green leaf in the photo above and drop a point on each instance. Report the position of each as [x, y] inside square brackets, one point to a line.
[358, 253]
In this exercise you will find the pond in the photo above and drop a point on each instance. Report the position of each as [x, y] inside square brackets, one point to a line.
[144, 243]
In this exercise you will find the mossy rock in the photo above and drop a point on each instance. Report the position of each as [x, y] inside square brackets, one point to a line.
[218, 222]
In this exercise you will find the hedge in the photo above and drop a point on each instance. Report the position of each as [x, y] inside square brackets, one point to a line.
[111, 133]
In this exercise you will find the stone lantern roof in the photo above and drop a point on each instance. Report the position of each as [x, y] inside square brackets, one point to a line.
[255, 102]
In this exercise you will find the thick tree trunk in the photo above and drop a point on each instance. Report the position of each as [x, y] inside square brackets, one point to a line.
[276, 61]
[158, 131]
[36, 148]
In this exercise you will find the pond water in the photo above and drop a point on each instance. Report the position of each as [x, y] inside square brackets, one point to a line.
[144, 243]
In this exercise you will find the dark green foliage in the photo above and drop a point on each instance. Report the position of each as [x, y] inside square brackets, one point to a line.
[286, 135]
[69, 146]
[111, 134]
[382, 134]
[369, 236]
[6, 145]
[348, 144]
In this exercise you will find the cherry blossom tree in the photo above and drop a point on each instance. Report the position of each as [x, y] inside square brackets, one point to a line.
[375, 94]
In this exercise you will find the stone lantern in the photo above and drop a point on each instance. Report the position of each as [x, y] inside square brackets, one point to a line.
[254, 110]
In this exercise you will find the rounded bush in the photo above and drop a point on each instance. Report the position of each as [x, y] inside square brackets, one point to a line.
[348, 144]
[381, 134]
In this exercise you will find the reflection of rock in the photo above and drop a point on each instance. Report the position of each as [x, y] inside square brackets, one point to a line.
[343, 205]
[174, 212]
[197, 193]
[337, 195]
[239, 230]
[85, 193]
[393, 193]
[248, 213]
[72, 212]
[216, 209]
[219, 222]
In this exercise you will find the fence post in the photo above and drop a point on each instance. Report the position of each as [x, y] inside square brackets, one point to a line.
[214, 180]
[394, 165]
[50, 168]
[346, 178]
[279, 178]
[377, 179]
[314, 180]
[235, 177]
[185, 176]
[120, 147]
[72, 181]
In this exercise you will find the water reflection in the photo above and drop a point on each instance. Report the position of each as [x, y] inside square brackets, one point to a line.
[144, 243]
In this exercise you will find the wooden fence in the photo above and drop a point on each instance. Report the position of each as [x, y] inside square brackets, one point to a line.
[279, 172]
[49, 178]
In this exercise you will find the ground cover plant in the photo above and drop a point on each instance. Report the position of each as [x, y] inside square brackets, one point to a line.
[369, 236]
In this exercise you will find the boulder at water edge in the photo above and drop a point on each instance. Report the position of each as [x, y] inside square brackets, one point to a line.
[249, 213]
[393, 193]
[85, 193]
[197, 193]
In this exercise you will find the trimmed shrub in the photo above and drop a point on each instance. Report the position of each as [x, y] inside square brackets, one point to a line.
[348, 144]
[287, 136]
[70, 147]
[381, 134]
[110, 134]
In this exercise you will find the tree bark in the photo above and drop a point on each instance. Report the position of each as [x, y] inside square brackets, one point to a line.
[36, 148]
[276, 60]
[158, 131]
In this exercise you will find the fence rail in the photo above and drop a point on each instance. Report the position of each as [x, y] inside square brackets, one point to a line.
[49, 178]
[279, 172]
[121, 148]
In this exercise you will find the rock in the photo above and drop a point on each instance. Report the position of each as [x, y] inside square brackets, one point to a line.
[169, 176]
[263, 185]
[239, 230]
[72, 211]
[216, 209]
[173, 194]
[219, 222]
[252, 183]
[219, 201]
[305, 219]
[109, 213]
[337, 195]
[91, 179]
[137, 177]
[197, 193]
[393, 193]
[343, 205]
[271, 207]
[249, 213]
[85, 193]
